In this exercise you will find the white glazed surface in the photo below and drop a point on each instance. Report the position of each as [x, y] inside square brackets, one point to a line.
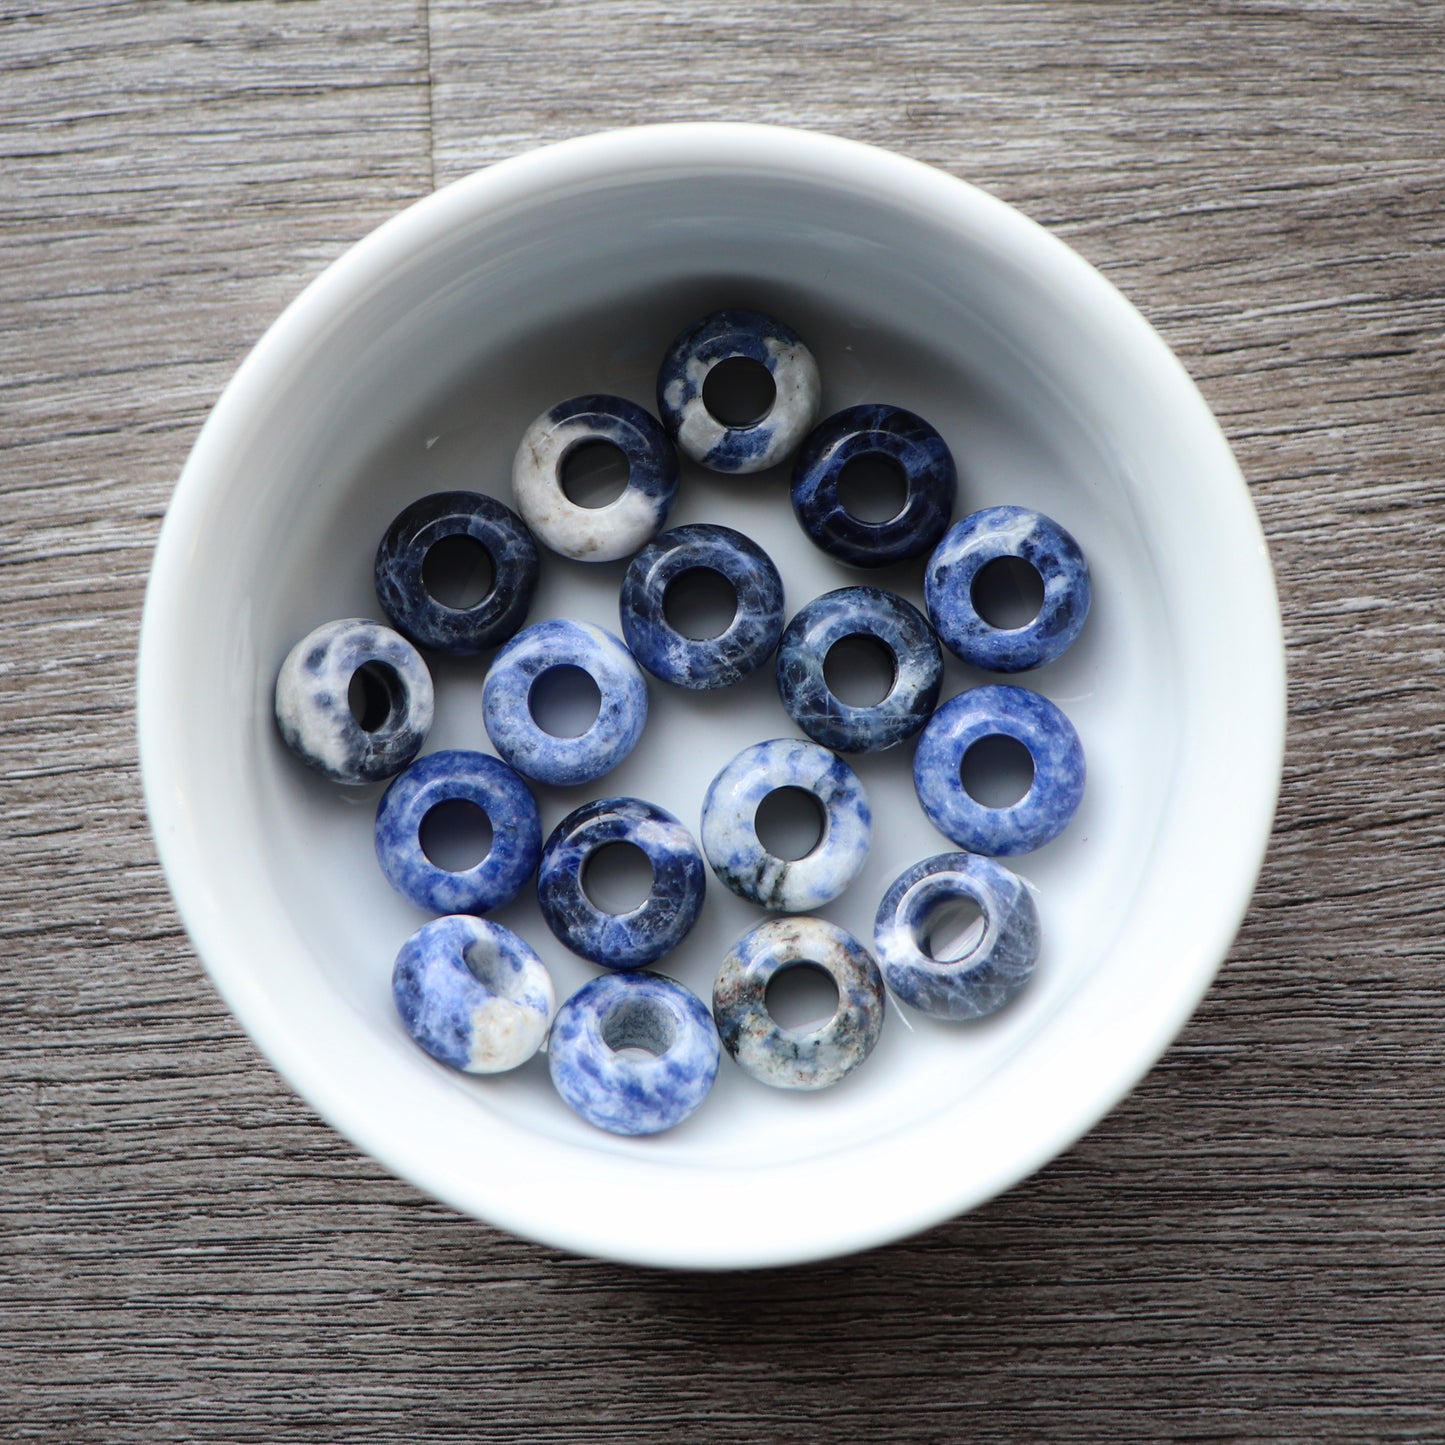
[413, 365]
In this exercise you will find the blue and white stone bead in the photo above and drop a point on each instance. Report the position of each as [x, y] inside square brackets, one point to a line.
[813, 1056]
[898, 436]
[721, 337]
[313, 704]
[1053, 797]
[702, 662]
[729, 826]
[401, 586]
[859, 612]
[516, 734]
[996, 965]
[660, 922]
[595, 534]
[984, 537]
[473, 994]
[633, 1053]
[458, 776]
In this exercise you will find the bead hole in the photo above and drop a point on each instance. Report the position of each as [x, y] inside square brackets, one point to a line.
[700, 603]
[997, 771]
[639, 1028]
[564, 701]
[457, 572]
[951, 929]
[1008, 593]
[456, 835]
[618, 878]
[594, 473]
[789, 823]
[373, 694]
[860, 670]
[801, 996]
[485, 964]
[872, 488]
[739, 391]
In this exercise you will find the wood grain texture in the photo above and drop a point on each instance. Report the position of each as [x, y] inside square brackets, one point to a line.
[1252, 1247]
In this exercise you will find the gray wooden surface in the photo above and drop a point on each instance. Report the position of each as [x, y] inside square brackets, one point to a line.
[1251, 1247]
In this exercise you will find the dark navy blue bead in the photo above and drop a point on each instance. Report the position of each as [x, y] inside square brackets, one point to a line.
[859, 612]
[898, 436]
[414, 612]
[748, 640]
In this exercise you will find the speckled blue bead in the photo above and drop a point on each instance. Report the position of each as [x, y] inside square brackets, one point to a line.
[813, 1056]
[859, 612]
[660, 922]
[595, 534]
[729, 829]
[633, 1092]
[1000, 711]
[313, 708]
[899, 436]
[415, 613]
[453, 776]
[982, 538]
[997, 965]
[507, 692]
[473, 994]
[721, 337]
[702, 662]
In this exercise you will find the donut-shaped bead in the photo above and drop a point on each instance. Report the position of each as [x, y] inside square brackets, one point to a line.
[702, 662]
[660, 922]
[893, 435]
[472, 994]
[521, 740]
[1044, 810]
[730, 836]
[400, 572]
[987, 536]
[313, 702]
[595, 534]
[449, 777]
[723, 336]
[859, 612]
[996, 965]
[815, 1055]
[633, 1053]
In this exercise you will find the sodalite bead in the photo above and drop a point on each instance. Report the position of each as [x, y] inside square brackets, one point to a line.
[747, 641]
[452, 776]
[1000, 711]
[721, 337]
[415, 613]
[859, 612]
[813, 1056]
[730, 836]
[995, 532]
[997, 965]
[473, 994]
[658, 924]
[313, 708]
[671, 1056]
[898, 436]
[595, 534]
[506, 702]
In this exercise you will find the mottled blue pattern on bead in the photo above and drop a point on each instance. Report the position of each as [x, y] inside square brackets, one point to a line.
[982, 538]
[445, 777]
[708, 662]
[859, 612]
[658, 924]
[1000, 960]
[506, 702]
[631, 1092]
[875, 431]
[1058, 783]
[313, 708]
[729, 831]
[403, 551]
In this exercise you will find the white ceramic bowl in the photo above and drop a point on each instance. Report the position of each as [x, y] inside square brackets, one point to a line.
[414, 363]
